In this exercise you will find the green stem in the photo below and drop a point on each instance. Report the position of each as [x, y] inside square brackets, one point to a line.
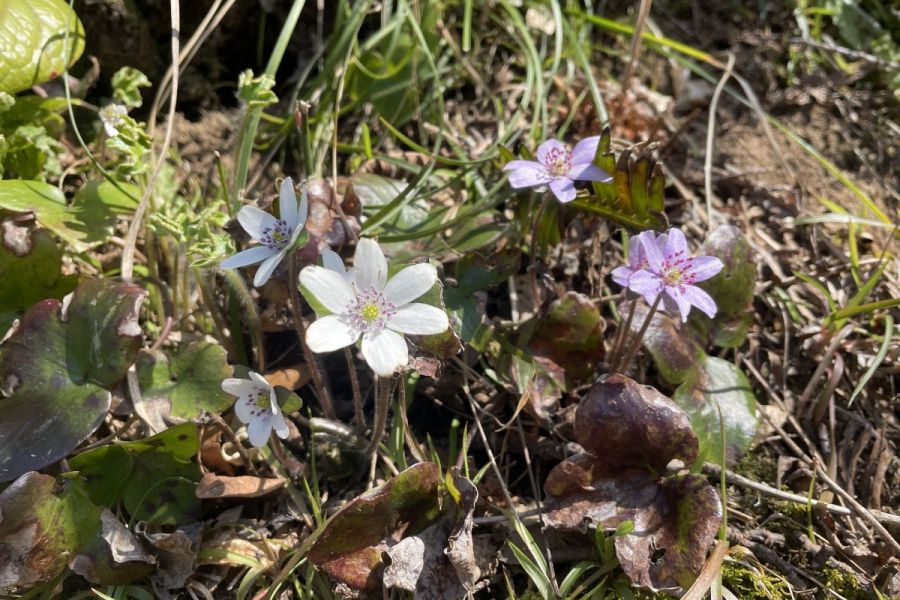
[532, 250]
[357, 395]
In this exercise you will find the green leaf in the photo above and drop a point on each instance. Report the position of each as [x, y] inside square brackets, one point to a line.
[571, 335]
[673, 349]
[33, 44]
[127, 83]
[53, 372]
[98, 204]
[48, 205]
[256, 91]
[155, 477]
[718, 385]
[189, 380]
[732, 288]
[32, 276]
[42, 528]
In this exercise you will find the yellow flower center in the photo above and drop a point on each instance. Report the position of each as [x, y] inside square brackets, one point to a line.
[262, 399]
[674, 276]
[370, 312]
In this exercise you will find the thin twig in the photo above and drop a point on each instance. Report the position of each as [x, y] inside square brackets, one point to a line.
[740, 480]
[620, 338]
[640, 335]
[232, 437]
[710, 137]
[636, 39]
[310, 358]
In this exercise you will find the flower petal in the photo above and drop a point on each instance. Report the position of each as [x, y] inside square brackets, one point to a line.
[563, 188]
[701, 300]
[684, 305]
[287, 203]
[410, 283]
[652, 251]
[585, 150]
[369, 265]
[259, 430]
[303, 208]
[266, 269]
[243, 408]
[419, 319]
[280, 426]
[254, 220]
[250, 256]
[238, 387]
[621, 275]
[548, 146]
[328, 287]
[385, 351]
[330, 333]
[676, 245]
[261, 382]
[704, 267]
[646, 284]
[527, 174]
[331, 260]
[588, 172]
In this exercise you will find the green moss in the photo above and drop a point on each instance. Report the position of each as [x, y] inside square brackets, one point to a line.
[845, 584]
[748, 584]
[757, 466]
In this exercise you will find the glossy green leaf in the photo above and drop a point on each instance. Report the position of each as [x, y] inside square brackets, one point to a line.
[54, 372]
[718, 385]
[49, 207]
[190, 380]
[38, 40]
[97, 206]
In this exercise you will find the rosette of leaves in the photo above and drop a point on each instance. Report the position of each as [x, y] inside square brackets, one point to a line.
[56, 369]
[711, 388]
[630, 434]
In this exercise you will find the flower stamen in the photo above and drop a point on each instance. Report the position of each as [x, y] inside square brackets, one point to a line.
[277, 235]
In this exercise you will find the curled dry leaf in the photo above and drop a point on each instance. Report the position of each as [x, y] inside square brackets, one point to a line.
[444, 561]
[176, 554]
[214, 486]
[350, 547]
[114, 556]
[631, 433]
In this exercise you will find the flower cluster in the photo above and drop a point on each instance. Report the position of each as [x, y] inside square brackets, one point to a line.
[660, 267]
[558, 168]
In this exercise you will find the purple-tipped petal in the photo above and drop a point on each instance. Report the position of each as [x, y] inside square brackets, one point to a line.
[676, 245]
[705, 267]
[585, 150]
[563, 188]
[530, 174]
[547, 147]
[588, 172]
[701, 300]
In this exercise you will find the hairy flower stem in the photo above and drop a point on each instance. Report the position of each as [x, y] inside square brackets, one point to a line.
[382, 403]
[532, 250]
[242, 293]
[620, 337]
[310, 358]
[357, 395]
[640, 336]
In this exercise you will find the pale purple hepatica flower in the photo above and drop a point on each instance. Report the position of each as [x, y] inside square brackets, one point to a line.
[558, 167]
[672, 272]
[276, 237]
[637, 259]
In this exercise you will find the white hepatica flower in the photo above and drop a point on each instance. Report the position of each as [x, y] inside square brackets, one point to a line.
[257, 406]
[111, 117]
[365, 304]
[275, 236]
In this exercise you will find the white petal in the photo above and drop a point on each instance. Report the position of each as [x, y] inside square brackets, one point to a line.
[303, 209]
[369, 265]
[419, 319]
[259, 430]
[260, 381]
[385, 352]
[330, 333]
[238, 387]
[266, 269]
[287, 203]
[410, 283]
[254, 220]
[250, 256]
[280, 426]
[328, 287]
[331, 260]
[243, 407]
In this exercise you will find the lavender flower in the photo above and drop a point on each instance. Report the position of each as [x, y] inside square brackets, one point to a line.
[558, 167]
[671, 272]
[637, 259]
